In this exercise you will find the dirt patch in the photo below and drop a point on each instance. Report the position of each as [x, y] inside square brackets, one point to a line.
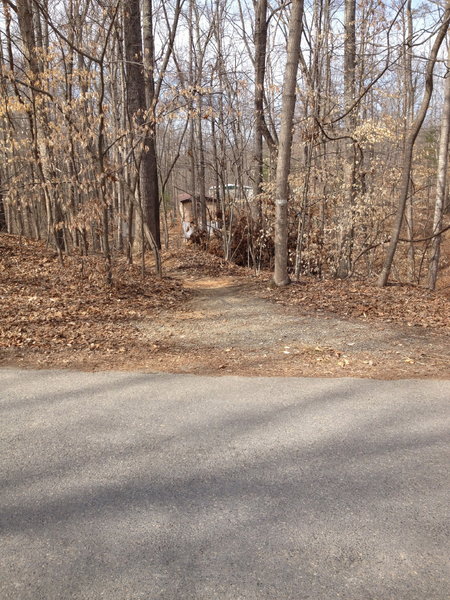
[228, 316]
[226, 327]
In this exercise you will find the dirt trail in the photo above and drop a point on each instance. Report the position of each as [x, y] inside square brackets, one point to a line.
[226, 327]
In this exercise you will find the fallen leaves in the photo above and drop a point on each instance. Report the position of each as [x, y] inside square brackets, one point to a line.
[49, 308]
[64, 316]
[199, 262]
[405, 305]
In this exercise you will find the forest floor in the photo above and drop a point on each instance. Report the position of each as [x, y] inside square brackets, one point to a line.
[209, 317]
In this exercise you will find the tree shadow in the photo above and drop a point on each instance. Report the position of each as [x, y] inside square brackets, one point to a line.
[164, 487]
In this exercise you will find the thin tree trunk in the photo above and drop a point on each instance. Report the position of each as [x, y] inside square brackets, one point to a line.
[260, 68]
[201, 172]
[201, 168]
[192, 161]
[409, 148]
[409, 101]
[3, 226]
[441, 184]
[281, 277]
[347, 217]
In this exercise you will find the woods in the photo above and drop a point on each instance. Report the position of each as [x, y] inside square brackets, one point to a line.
[321, 128]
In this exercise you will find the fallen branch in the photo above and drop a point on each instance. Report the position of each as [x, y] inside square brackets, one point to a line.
[425, 239]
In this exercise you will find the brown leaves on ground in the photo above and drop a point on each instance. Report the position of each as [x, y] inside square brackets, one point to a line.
[54, 315]
[400, 304]
[47, 308]
[403, 305]
[191, 259]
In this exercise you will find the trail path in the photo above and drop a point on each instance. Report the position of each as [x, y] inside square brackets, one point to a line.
[227, 327]
[210, 317]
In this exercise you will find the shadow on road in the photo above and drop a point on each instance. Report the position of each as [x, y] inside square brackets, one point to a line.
[138, 486]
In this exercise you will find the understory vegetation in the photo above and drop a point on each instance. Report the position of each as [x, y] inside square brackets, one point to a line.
[109, 110]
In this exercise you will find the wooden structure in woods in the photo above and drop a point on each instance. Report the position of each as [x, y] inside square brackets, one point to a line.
[187, 212]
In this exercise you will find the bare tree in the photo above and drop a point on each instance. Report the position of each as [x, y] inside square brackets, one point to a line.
[139, 87]
[409, 147]
[281, 276]
[441, 183]
[347, 221]
[260, 69]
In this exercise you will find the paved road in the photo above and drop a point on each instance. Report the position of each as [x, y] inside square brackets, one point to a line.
[134, 486]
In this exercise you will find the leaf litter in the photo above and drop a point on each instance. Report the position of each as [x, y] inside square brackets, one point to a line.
[208, 316]
[50, 313]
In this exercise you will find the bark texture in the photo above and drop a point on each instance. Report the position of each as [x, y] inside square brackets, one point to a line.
[281, 276]
[139, 88]
[441, 185]
[347, 225]
[260, 68]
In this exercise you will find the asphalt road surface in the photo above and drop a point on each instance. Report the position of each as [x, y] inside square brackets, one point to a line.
[130, 486]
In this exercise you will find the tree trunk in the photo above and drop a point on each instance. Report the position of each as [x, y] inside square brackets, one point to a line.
[441, 184]
[191, 104]
[260, 68]
[3, 226]
[285, 144]
[137, 105]
[409, 148]
[200, 46]
[347, 216]
[151, 204]
[201, 168]
[409, 106]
